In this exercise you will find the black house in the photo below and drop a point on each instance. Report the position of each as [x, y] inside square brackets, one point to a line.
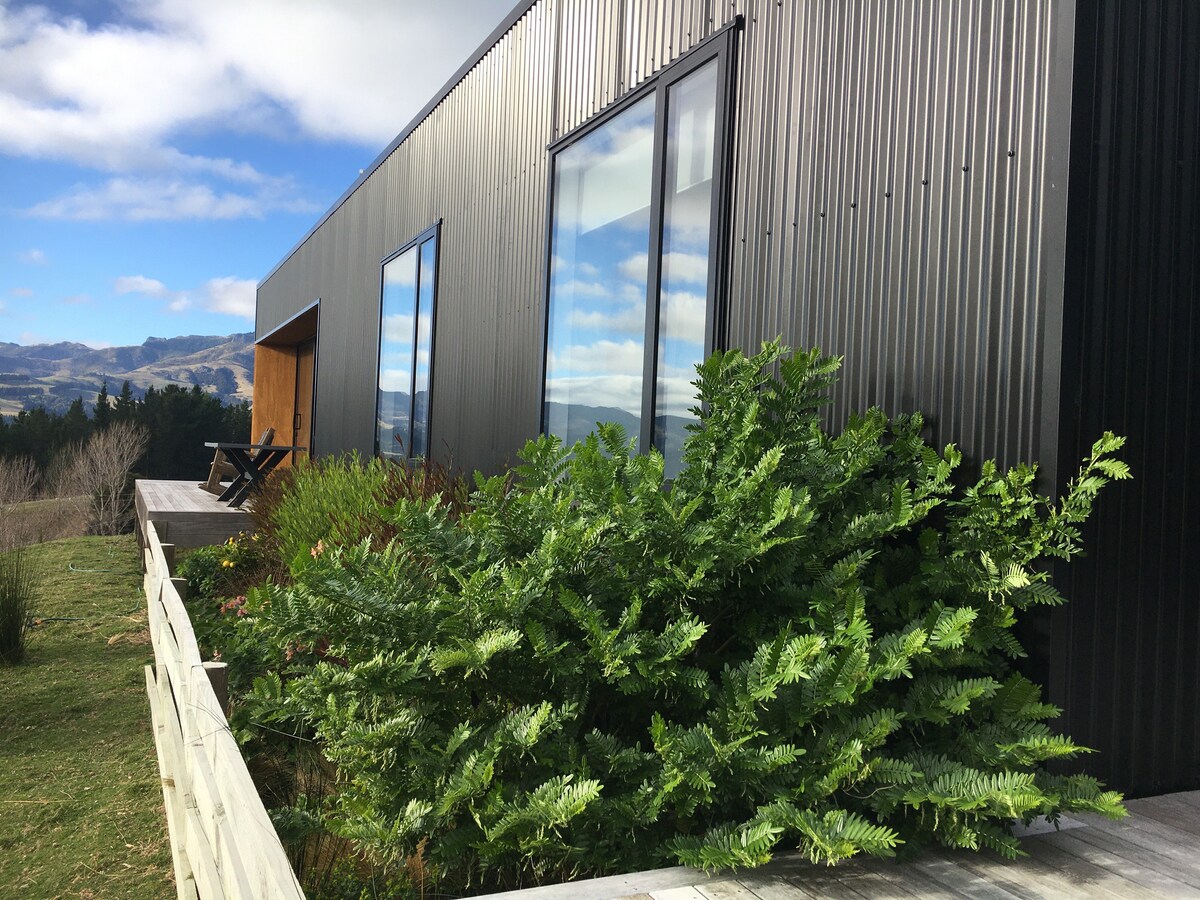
[988, 207]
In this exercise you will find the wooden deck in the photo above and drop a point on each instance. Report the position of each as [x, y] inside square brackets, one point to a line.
[193, 516]
[1155, 852]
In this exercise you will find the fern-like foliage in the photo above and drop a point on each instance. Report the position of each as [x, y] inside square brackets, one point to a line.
[805, 640]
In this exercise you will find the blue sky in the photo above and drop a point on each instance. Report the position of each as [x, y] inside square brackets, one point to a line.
[158, 157]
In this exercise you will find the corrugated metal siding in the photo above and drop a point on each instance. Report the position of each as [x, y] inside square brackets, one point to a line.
[1128, 647]
[477, 161]
[937, 293]
[894, 175]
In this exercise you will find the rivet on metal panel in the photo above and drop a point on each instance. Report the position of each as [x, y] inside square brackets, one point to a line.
[822, 215]
[853, 205]
[887, 194]
[966, 168]
[925, 181]
[1012, 153]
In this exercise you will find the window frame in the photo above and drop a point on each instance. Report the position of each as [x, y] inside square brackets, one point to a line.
[720, 46]
[433, 231]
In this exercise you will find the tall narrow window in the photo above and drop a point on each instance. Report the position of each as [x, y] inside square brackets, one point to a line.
[406, 349]
[602, 187]
[633, 271]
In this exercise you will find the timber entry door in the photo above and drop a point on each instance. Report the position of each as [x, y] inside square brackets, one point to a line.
[306, 358]
[285, 378]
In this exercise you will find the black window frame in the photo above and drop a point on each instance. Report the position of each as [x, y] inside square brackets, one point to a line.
[433, 231]
[721, 46]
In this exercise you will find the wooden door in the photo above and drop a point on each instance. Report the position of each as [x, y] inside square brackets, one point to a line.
[306, 358]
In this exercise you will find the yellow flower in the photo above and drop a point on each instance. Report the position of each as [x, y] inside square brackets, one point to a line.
[227, 564]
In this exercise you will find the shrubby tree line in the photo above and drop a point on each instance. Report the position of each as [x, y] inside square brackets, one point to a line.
[86, 463]
[177, 422]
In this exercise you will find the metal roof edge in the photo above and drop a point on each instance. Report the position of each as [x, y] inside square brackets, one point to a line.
[522, 7]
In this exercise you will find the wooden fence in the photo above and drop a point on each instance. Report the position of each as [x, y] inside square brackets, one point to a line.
[222, 841]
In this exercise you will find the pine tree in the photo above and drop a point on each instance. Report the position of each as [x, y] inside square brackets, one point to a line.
[126, 407]
[102, 412]
[75, 424]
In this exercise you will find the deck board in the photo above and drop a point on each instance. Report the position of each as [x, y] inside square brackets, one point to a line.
[1153, 853]
[194, 517]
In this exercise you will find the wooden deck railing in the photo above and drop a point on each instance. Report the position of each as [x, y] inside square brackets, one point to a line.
[223, 844]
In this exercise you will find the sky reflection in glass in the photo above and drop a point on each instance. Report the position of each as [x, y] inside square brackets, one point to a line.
[421, 367]
[687, 214]
[405, 352]
[601, 240]
[597, 317]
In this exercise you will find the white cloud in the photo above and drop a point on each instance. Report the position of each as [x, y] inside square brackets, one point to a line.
[33, 256]
[115, 96]
[579, 288]
[20, 292]
[623, 358]
[153, 199]
[76, 299]
[623, 320]
[140, 284]
[230, 296]
[683, 316]
[609, 391]
[396, 379]
[634, 268]
[689, 267]
[398, 329]
[225, 296]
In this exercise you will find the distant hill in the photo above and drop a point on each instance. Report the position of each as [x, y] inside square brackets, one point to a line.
[52, 375]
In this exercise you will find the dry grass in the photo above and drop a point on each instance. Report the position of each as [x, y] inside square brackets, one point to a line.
[38, 521]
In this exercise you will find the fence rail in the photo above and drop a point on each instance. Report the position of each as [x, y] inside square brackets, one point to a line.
[223, 844]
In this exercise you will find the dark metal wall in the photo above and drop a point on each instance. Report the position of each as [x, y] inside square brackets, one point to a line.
[901, 202]
[898, 198]
[1126, 651]
[478, 162]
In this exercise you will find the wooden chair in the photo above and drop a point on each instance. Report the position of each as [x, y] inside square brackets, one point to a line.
[223, 468]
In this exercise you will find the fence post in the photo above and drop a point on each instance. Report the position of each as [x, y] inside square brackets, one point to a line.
[181, 586]
[168, 552]
[218, 677]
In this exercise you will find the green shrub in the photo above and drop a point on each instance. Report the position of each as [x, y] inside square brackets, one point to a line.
[18, 582]
[339, 500]
[218, 578]
[805, 639]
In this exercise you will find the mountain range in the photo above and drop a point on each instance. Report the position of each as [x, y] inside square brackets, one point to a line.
[52, 375]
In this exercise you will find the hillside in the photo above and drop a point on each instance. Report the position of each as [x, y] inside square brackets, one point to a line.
[53, 375]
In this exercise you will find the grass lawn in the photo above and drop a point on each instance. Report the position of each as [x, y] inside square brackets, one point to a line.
[80, 803]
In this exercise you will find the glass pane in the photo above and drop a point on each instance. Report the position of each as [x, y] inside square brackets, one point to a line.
[421, 363]
[687, 213]
[395, 354]
[597, 317]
